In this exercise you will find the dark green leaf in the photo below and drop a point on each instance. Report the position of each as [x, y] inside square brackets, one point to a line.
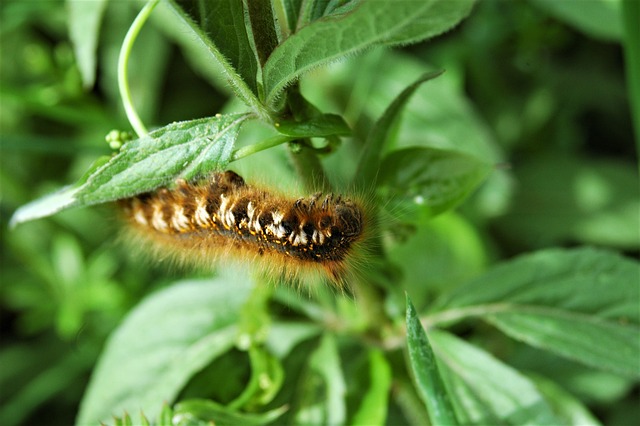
[433, 179]
[485, 389]
[425, 370]
[162, 343]
[221, 26]
[84, 28]
[580, 303]
[341, 34]
[262, 28]
[222, 22]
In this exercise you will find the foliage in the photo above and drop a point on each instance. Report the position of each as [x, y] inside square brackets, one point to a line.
[504, 285]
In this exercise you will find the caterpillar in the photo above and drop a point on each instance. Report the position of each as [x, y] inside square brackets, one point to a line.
[223, 218]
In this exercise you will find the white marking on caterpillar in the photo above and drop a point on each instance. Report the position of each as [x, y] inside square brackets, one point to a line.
[138, 213]
[179, 221]
[157, 221]
[202, 217]
[277, 217]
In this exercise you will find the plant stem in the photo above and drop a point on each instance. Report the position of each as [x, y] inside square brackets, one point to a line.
[305, 159]
[245, 151]
[309, 168]
[123, 62]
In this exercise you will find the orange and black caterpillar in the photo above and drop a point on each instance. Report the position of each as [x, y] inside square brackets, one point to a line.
[224, 217]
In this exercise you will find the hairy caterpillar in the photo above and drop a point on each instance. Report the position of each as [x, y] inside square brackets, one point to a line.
[223, 218]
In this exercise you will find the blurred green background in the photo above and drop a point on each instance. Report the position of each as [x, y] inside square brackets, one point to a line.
[547, 87]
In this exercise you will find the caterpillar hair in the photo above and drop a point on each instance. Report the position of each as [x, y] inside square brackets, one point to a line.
[223, 219]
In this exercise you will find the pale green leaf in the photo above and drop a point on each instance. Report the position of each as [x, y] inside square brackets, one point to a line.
[581, 304]
[45, 206]
[163, 342]
[590, 340]
[488, 391]
[564, 404]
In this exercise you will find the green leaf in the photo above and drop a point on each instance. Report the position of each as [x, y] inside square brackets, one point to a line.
[580, 303]
[433, 179]
[375, 145]
[602, 344]
[284, 336]
[46, 206]
[204, 412]
[597, 18]
[485, 390]
[220, 25]
[564, 404]
[425, 369]
[341, 34]
[311, 10]
[186, 149]
[323, 401]
[375, 401]
[166, 414]
[84, 27]
[163, 342]
[321, 126]
[222, 22]
[262, 28]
